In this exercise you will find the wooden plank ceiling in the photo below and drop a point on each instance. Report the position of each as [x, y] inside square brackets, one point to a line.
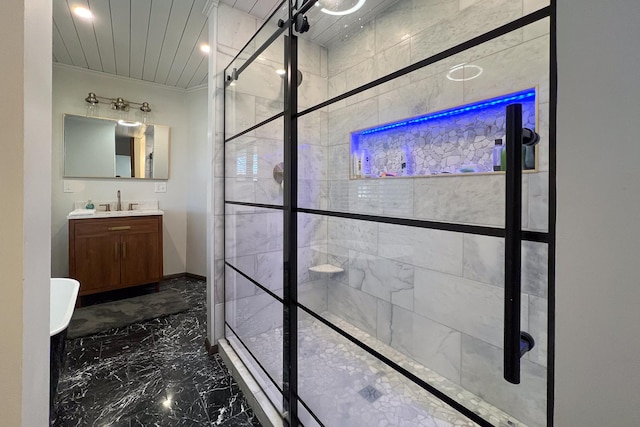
[159, 40]
[154, 40]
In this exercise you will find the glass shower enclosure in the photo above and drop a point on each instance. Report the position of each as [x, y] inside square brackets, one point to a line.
[389, 225]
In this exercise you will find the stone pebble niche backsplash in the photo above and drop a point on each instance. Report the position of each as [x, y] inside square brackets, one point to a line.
[453, 141]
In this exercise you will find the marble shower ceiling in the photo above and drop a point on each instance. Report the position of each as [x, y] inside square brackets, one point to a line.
[152, 40]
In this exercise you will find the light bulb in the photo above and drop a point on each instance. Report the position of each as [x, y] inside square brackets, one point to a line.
[92, 110]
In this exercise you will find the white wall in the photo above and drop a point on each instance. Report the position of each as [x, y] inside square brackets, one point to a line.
[25, 46]
[170, 107]
[598, 239]
[199, 170]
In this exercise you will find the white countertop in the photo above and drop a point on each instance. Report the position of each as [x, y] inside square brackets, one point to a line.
[80, 214]
[140, 208]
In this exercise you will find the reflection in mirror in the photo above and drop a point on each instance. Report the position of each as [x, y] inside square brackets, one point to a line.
[107, 148]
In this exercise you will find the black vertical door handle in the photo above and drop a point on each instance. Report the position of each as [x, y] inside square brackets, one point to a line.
[516, 342]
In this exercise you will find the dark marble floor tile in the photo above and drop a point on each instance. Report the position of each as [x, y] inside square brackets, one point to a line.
[138, 341]
[153, 373]
[82, 354]
[223, 399]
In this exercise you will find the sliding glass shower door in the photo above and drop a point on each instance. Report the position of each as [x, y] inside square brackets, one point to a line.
[388, 233]
[254, 149]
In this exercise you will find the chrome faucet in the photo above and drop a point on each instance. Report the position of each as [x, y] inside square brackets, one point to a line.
[119, 204]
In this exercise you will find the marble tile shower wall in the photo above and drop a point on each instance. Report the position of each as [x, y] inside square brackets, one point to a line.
[438, 296]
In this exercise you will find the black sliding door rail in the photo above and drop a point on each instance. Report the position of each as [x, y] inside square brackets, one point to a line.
[253, 38]
[282, 27]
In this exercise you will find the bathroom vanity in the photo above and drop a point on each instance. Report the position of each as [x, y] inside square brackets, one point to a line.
[115, 251]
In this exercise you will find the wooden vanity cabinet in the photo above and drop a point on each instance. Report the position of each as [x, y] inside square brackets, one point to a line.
[114, 253]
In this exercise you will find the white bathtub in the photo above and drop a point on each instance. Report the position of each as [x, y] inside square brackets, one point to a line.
[63, 300]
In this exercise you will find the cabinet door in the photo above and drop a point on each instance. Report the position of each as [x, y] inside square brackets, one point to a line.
[96, 262]
[141, 258]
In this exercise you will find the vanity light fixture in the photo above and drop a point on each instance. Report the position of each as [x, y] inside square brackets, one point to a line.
[465, 71]
[353, 9]
[119, 104]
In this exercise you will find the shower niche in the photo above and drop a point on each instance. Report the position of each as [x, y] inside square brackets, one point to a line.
[466, 139]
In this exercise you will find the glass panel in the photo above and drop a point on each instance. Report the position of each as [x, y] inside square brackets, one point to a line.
[344, 385]
[384, 36]
[252, 165]
[253, 244]
[270, 389]
[258, 92]
[456, 141]
[432, 302]
[255, 318]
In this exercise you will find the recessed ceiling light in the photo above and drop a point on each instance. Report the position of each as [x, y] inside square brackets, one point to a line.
[464, 72]
[281, 72]
[83, 12]
[355, 8]
[205, 48]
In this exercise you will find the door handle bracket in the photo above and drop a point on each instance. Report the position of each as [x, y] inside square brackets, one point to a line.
[526, 343]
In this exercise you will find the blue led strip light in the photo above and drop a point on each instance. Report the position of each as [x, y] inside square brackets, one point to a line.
[518, 96]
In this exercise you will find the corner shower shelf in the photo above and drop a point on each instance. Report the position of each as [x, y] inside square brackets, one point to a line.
[326, 268]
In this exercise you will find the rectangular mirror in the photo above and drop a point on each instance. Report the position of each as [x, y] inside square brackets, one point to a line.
[109, 148]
